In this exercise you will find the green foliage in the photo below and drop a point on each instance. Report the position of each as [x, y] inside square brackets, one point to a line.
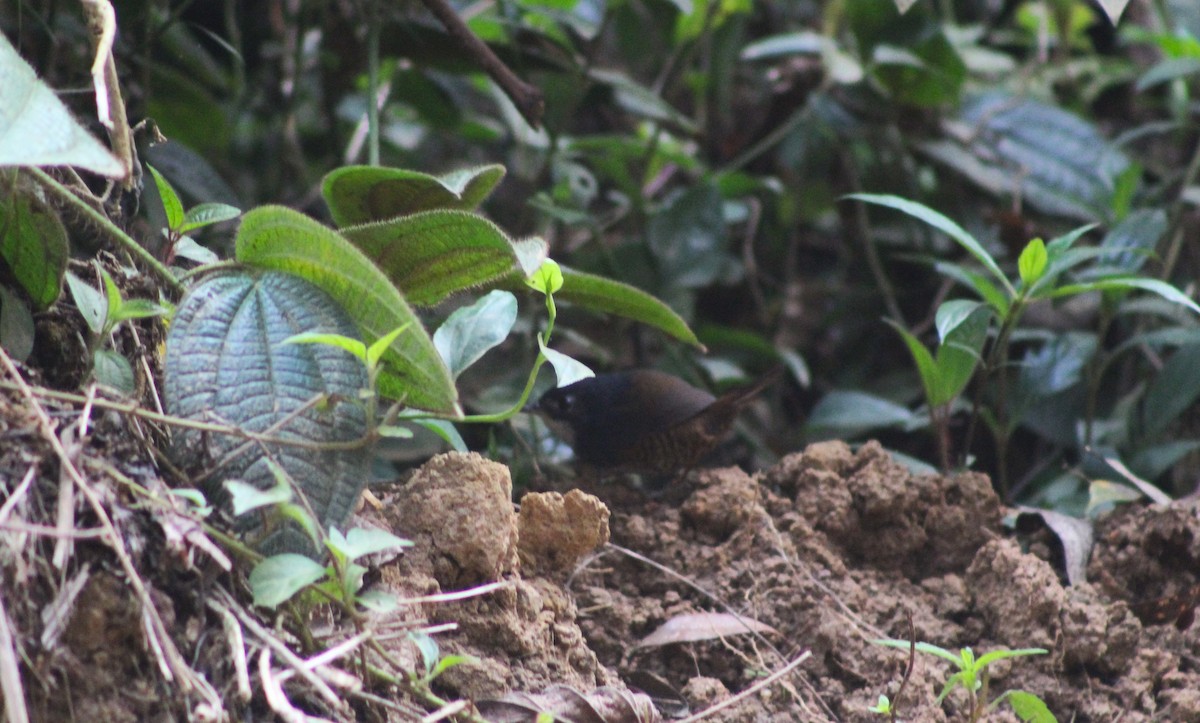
[371, 358]
[432, 254]
[883, 706]
[464, 338]
[365, 194]
[420, 231]
[434, 662]
[278, 578]
[613, 297]
[103, 312]
[33, 253]
[180, 222]
[280, 239]
[1044, 271]
[471, 331]
[38, 128]
[971, 676]
[33, 243]
[686, 174]
[428, 254]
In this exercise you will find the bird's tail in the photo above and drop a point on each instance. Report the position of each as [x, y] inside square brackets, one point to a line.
[736, 397]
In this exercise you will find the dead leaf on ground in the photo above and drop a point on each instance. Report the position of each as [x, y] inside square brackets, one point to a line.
[602, 705]
[1074, 534]
[693, 627]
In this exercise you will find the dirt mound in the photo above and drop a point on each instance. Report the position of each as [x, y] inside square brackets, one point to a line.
[832, 549]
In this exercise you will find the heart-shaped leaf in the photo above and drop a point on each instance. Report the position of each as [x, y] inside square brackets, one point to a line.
[228, 361]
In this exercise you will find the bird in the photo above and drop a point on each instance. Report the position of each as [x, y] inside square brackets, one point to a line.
[642, 421]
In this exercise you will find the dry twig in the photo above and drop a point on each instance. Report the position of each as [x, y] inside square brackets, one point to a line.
[172, 665]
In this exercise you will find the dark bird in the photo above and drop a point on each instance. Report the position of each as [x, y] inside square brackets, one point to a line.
[642, 421]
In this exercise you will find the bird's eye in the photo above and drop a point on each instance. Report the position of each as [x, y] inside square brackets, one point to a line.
[562, 405]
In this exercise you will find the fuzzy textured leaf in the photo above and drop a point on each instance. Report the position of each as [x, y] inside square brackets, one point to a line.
[36, 129]
[432, 254]
[273, 237]
[363, 194]
[613, 297]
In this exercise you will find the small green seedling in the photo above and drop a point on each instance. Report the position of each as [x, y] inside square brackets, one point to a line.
[972, 678]
[883, 706]
[279, 578]
[103, 313]
[370, 356]
[179, 222]
[434, 662]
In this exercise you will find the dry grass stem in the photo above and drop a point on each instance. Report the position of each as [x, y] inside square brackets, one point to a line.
[10, 671]
[174, 668]
[752, 690]
[222, 599]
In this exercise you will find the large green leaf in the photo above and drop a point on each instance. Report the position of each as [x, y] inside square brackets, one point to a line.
[928, 72]
[640, 100]
[943, 224]
[1172, 391]
[16, 326]
[362, 194]
[36, 129]
[227, 360]
[33, 243]
[852, 413]
[1028, 706]
[978, 283]
[1166, 71]
[1046, 372]
[926, 365]
[945, 375]
[1132, 242]
[1062, 163]
[273, 237]
[432, 254]
[959, 354]
[687, 236]
[613, 297]
[604, 295]
[1129, 283]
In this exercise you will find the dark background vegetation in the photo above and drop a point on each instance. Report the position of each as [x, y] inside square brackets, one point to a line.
[701, 151]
